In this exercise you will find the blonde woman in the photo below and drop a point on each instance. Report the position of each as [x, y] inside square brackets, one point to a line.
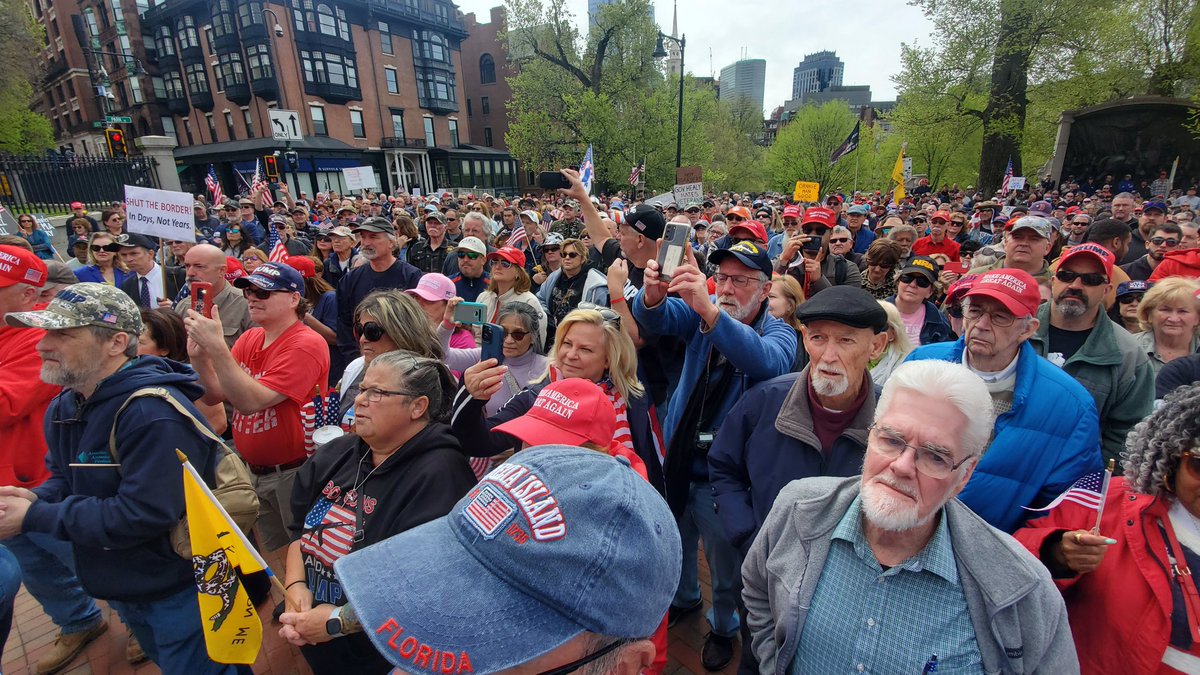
[106, 266]
[898, 346]
[785, 298]
[1170, 317]
[591, 345]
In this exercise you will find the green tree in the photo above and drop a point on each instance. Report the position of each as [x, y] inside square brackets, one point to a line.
[21, 38]
[802, 148]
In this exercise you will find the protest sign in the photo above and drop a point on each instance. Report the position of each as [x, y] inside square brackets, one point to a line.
[160, 213]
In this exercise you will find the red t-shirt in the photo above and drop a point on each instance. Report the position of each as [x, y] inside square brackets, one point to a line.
[925, 246]
[24, 398]
[296, 365]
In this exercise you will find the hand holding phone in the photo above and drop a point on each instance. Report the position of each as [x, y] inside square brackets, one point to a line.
[491, 343]
[552, 180]
[202, 298]
[672, 249]
[469, 312]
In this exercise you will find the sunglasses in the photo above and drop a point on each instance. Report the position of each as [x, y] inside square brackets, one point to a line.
[1131, 299]
[516, 335]
[261, 294]
[919, 279]
[369, 331]
[839, 240]
[606, 314]
[734, 218]
[25, 221]
[1161, 241]
[449, 219]
[503, 264]
[1191, 461]
[955, 311]
[819, 230]
[233, 231]
[324, 240]
[570, 255]
[1089, 279]
[551, 249]
[109, 248]
[470, 255]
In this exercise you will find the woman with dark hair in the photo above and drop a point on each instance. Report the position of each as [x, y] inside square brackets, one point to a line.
[80, 230]
[523, 354]
[402, 467]
[879, 274]
[406, 234]
[1132, 602]
[234, 241]
[113, 222]
[321, 297]
[27, 229]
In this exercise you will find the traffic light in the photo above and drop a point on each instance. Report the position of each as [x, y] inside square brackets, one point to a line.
[116, 143]
[271, 168]
[293, 159]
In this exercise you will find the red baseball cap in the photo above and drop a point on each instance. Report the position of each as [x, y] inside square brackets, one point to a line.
[792, 211]
[820, 215]
[1072, 210]
[752, 227]
[76, 205]
[1094, 251]
[233, 269]
[567, 412]
[508, 253]
[959, 288]
[1016, 289]
[303, 264]
[21, 266]
[943, 215]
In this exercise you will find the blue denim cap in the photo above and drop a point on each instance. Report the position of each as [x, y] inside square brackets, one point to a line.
[555, 542]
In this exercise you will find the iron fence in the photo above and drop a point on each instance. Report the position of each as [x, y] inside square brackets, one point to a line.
[50, 183]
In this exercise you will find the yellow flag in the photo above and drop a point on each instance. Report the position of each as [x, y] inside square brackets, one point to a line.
[898, 178]
[232, 630]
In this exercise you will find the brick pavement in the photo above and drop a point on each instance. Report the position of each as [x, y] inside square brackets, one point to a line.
[33, 635]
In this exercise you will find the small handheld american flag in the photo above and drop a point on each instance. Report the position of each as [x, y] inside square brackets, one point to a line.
[1090, 491]
[518, 236]
[1007, 178]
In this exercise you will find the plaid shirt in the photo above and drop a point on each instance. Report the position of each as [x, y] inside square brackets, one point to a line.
[867, 619]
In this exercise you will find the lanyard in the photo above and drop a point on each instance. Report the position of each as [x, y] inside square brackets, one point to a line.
[1183, 576]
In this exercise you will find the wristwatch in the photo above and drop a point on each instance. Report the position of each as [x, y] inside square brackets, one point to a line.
[333, 626]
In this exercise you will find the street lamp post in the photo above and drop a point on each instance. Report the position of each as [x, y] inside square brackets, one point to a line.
[290, 156]
[660, 53]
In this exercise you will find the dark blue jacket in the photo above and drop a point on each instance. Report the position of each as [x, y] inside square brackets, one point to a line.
[766, 442]
[119, 520]
[1047, 441]
[936, 328]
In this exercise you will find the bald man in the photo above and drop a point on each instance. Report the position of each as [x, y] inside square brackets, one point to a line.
[205, 262]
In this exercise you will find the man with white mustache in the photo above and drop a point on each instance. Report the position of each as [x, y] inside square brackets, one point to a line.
[888, 572]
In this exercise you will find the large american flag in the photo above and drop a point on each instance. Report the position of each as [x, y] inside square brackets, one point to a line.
[636, 174]
[1088, 491]
[214, 185]
[1007, 178]
[329, 531]
[278, 252]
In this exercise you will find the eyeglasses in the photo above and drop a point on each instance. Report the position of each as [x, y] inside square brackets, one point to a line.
[919, 279]
[1161, 241]
[369, 331]
[1088, 279]
[324, 240]
[375, 394]
[502, 264]
[607, 314]
[1191, 461]
[840, 240]
[261, 294]
[106, 248]
[1130, 299]
[470, 255]
[733, 218]
[449, 219]
[932, 460]
[551, 249]
[999, 319]
[516, 335]
[25, 221]
[570, 255]
[738, 280]
[234, 231]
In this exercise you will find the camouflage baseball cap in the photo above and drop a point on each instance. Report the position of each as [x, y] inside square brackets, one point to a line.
[83, 304]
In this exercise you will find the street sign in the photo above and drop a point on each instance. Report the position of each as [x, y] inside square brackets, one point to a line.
[285, 125]
[806, 192]
[99, 125]
[114, 119]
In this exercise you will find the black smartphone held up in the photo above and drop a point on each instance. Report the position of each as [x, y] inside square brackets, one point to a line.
[552, 180]
[672, 251]
[491, 343]
[812, 245]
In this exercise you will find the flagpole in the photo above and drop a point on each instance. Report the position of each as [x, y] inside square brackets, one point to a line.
[1108, 472]
[856, 169]
[237, 531]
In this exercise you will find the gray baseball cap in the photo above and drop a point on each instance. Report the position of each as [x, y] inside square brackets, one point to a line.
[1035, 223]
[83, 304]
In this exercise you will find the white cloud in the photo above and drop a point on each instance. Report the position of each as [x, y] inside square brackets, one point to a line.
[866, 34]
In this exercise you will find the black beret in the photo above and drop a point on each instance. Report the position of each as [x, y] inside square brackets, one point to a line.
[849, 305]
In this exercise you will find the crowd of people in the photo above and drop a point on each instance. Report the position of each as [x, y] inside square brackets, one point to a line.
[384, 366]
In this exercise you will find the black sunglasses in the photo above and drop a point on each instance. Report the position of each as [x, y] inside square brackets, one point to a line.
[818, 230]
[920, 279]
[1088, 279]
[111, 248]
[260, 293]
[734, 219]
[1130, 299]
[324, 240]
[369, 331]
[955, 311]
[571, 255]
[579, 663]
[551, 249]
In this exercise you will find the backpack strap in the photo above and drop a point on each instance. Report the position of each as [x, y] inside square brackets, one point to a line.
[159, 392]
[840, 271]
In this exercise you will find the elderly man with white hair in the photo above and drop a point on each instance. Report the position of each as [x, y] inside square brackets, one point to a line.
[888, 572]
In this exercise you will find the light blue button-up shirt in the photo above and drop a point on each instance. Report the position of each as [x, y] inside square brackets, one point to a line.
[865, 619]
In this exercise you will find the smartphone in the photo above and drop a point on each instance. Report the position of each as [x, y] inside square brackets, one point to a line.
[812, 245]
[491, 343]
[202, 298]
[469, 312]
[956, 267]
[552, 180]
[671, 252]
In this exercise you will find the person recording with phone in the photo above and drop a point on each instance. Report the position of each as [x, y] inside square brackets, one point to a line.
[817, 268]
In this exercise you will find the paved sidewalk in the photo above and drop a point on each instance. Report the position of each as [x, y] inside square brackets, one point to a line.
[33, 635]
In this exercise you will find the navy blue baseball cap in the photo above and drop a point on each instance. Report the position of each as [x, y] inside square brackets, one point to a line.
[555, 542]
[273, 276]
[748, 253]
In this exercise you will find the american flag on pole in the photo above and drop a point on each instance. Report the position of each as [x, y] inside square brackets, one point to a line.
[587, 170]
[518, 237]
[278, 252]
[1007, 178]
[214, 185]
[488, 510]
[1088, 491]
[257, 180]
[328, 531]
[636, 174]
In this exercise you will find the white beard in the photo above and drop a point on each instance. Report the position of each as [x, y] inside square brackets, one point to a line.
[891, 512]
[831, 387]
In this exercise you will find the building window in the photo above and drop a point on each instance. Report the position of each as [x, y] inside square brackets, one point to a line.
[258, 57]
[135, 88]
[208, 40]
[398, 123]
[169, 128]
[219, 76]
[436, 85]
[485, 105]
[230, 69]
[222, 19]
[250, 13]
[323, 68]
[317, 113]
[385, 38]
[487, 136]
[469, 113]
[454, 133]
[249, 120]
[89, 20]
[356, 124]
[187, 130]
[160, 88]
[174, 86]
[393, 84]
[430, 45]
[212, 126]
[164, 43]
[229, 125]
[185, 30]
[197, 78]
[487, 69]
[430, 139]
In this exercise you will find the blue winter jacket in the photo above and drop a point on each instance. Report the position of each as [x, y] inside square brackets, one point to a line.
[1047, 441]
[119, 520]
[936, 328]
